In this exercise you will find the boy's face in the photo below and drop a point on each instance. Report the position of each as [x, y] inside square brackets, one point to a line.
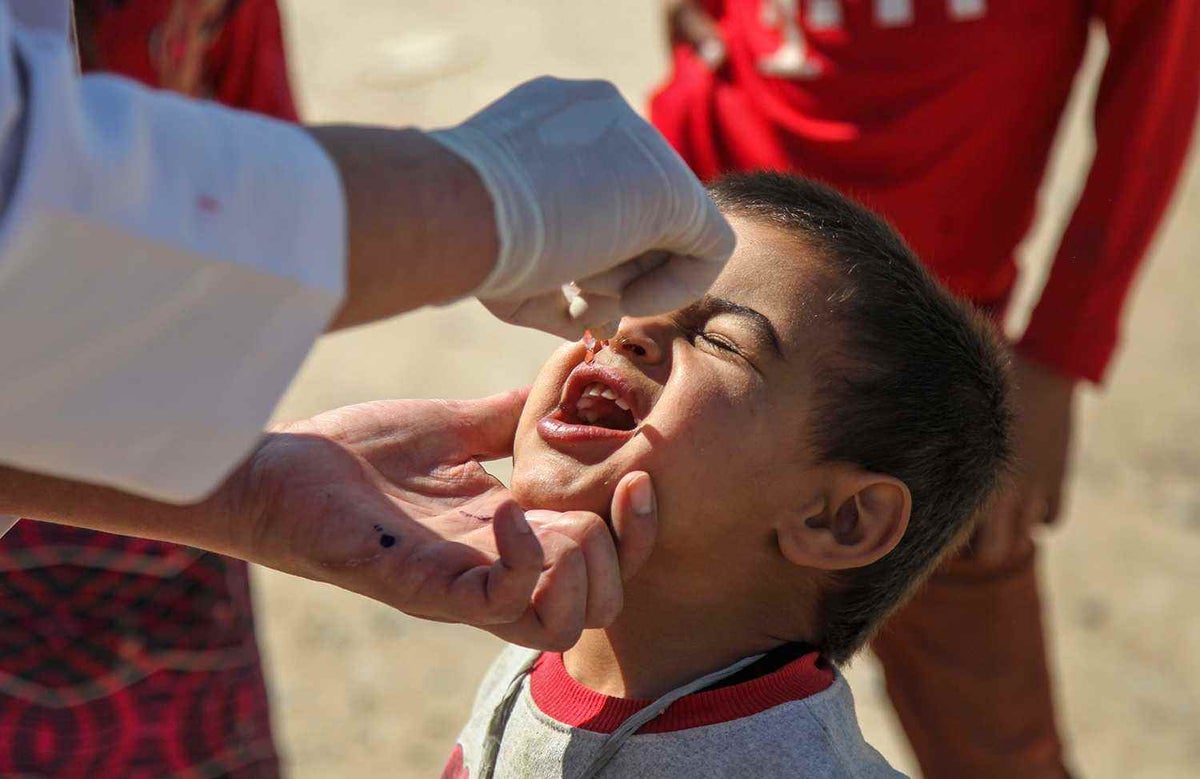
[718, 399]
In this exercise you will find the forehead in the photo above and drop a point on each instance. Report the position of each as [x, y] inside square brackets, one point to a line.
[775, 273]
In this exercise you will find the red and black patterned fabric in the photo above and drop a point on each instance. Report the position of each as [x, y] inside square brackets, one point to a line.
[125, 657]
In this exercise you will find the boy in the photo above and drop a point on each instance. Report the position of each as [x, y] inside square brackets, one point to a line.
[820, 429]
[940, 114]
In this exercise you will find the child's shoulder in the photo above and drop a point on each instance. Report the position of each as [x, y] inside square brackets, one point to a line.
[510, 664]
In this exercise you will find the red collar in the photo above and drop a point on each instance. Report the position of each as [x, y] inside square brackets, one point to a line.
[566, 700]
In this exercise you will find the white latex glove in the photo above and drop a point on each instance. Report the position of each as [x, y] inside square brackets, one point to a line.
[585, 190]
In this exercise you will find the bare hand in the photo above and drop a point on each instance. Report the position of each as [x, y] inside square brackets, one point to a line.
[388, 499]
[690, 24]
[1045, 408]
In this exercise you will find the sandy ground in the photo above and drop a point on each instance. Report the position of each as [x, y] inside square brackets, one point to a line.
[361, 691]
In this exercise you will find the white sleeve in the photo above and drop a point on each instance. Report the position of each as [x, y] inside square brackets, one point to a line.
[165, 266]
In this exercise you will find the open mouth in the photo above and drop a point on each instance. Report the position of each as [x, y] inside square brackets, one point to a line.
[600, 406]
[597, 403]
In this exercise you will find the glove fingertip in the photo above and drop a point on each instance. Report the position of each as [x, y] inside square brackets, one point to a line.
[719, 233]
[671, 286]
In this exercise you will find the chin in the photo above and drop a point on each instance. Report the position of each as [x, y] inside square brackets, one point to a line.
[544, 486]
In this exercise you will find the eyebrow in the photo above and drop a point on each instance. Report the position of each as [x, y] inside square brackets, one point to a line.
[712, 306]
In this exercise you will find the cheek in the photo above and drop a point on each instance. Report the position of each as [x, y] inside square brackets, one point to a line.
[720, 476]
[698, 457]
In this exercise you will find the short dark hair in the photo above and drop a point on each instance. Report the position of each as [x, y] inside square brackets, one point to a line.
[916, 387]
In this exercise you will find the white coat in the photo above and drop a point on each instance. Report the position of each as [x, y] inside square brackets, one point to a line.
[165, 265]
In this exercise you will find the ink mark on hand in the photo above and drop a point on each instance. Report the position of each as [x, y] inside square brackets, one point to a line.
[479, 517]
[386, 540]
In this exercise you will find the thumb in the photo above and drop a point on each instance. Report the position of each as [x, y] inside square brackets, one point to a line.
[674, 284]
[513, 577]
[634, 522]
[692, 263]
[484, 428]
[708, 236]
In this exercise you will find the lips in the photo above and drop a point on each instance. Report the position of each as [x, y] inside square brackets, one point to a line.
[598, 405]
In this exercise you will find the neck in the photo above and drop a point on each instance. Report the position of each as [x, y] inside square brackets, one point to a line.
[654, 647]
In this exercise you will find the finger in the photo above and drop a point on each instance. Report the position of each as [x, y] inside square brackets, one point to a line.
[673, 285]
[559, 611]
[484, 428]
[550, 313]
[396, 436]
[634, 521]
[547, 312]
[601, 310]
[512, 578]
[446, 581]
[604, 292]
[612, 282]
[605, 595]
[708, 238]
[461, 582]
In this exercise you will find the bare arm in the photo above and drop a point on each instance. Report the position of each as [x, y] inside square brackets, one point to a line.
[388, 500]
[421, 225]
[204, 525]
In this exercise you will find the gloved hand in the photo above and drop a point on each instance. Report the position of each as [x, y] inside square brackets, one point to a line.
[585, 190]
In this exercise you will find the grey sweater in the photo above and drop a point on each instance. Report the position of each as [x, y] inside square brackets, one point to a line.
[762, 728]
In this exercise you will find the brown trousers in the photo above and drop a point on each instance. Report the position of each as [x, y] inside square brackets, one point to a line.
[966, 669]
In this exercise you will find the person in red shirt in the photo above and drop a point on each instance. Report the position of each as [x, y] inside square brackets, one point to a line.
[144, 661]
[940, 114]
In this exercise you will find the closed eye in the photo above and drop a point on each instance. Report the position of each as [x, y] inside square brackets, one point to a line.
[720, 342]
[693, 320]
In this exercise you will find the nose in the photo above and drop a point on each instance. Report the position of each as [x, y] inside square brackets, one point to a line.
[644, 341]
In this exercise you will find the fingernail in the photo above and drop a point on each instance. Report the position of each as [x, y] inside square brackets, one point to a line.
[641, 494]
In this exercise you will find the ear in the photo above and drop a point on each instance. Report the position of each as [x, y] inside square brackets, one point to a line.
[859, 517]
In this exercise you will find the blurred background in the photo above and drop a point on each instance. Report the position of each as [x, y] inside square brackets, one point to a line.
[361, 691]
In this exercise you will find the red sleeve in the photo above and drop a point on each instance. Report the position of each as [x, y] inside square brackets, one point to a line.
[1145, 111]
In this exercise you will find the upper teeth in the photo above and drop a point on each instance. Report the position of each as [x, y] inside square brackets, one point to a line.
[598, 390]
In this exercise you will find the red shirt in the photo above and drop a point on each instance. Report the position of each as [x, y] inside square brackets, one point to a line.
[940, 114]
